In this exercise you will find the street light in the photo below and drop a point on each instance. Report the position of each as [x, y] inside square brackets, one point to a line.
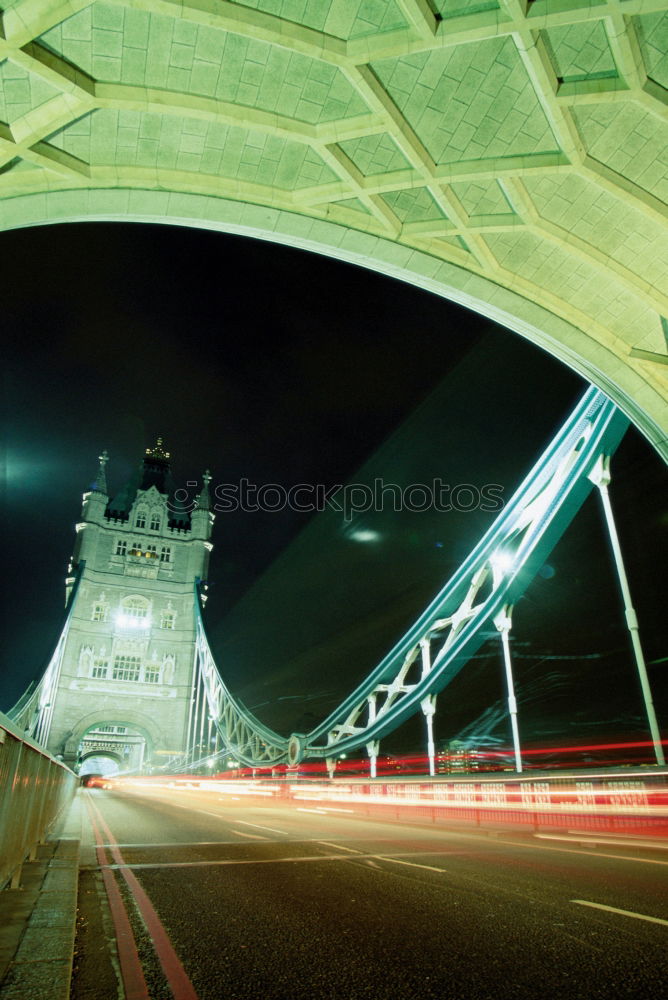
[501, 562]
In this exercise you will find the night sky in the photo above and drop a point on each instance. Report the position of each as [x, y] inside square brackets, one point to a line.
[280, 366]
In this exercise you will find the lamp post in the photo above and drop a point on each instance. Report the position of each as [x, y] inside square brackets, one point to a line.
[503, 622]
[600, 476]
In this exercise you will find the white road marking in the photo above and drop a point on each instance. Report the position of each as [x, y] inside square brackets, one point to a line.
[588, 854]
[514, 843]
[411, 864]
[271, 861]
[177, 805]
[257, 826]
[588, 838]
[624, 913]
[342, 847]
[237, 833]
[174, 843]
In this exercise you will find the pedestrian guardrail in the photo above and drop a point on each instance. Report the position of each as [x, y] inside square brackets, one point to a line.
[34, 790]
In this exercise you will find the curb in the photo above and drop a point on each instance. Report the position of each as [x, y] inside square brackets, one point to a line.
[42, 966]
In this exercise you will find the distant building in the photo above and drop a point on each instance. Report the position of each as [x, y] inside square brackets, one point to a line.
[126, 674]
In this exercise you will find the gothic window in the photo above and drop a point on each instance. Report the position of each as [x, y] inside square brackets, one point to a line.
[121, 547]
[135, 607]
[151, 551]
[100, 611]
[166, 553]
[134, 613]
[168, 619]
[100, 667]
[152, 674]
[155, 522]
[140, 521]
[126, 668]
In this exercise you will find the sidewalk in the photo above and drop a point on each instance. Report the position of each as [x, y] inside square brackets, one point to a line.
[38, 920]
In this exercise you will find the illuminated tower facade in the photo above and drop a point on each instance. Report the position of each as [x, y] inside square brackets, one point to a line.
[125, 681]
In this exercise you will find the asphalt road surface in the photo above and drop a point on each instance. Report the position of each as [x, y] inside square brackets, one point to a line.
[253, 900]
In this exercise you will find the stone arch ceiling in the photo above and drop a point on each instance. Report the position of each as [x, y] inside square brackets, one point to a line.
[510, 155]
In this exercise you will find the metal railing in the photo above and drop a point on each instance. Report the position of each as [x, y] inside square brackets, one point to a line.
[34, 790]
[33, 712]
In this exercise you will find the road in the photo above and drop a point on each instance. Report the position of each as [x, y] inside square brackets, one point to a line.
[246, 899]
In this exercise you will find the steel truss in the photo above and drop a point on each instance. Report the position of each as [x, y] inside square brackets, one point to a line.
[33, 713]
[480, 594]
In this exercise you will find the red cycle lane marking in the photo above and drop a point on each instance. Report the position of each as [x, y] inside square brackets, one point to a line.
[131, 970]
[176, 976]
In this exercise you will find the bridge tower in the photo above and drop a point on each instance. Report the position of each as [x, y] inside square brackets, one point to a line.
[125, 681]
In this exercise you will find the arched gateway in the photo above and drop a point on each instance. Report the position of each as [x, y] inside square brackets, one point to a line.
[507, 154]
[123, 677]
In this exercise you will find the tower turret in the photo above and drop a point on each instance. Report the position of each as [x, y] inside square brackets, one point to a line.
[96, 498]
[202, 519]
[100, 483]
[155, 470]
[93, 508]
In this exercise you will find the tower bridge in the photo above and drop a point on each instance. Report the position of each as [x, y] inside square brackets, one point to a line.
[134, 658]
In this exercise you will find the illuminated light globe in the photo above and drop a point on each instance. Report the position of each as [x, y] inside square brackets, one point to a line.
[129, 621]
[502, 563]
[365, 535]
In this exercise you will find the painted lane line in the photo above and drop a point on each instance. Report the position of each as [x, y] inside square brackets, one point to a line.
[191, 808]
[340, 847]
[179, 983]
[588, 838]
[631, 838]
[587, 854]
[358, 840]
[251, 836]
[319, 812]
[495, 843]
[282, 861]
[177, 805]
[171, 843]
[411, 864]
[236, 833]
[132, 973]
[218, 816]
[257, 826]
[623, 913]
